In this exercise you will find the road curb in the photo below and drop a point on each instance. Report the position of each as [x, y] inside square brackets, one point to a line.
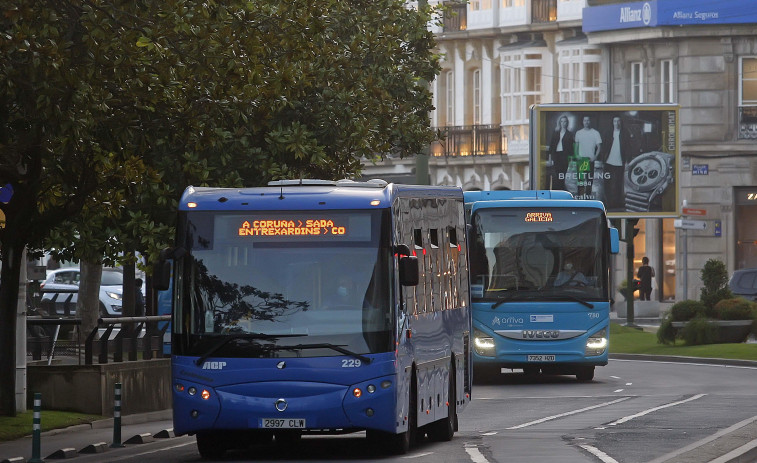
[682, 359]
[137, 418]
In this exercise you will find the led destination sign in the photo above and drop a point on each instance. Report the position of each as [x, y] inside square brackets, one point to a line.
[293, 227]
[538, 217]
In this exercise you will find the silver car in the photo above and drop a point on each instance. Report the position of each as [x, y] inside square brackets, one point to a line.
[59, 292]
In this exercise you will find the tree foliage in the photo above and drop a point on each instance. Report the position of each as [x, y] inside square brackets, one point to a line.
[108, 109]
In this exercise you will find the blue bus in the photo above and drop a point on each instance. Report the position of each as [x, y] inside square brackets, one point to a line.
[312, 307]
[540, 282]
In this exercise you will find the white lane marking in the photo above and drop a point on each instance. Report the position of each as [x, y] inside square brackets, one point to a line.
[475, 454]
[706, 440]
[618, 390]
[192, 442]
[553, 417]
[646, 412]
[541, 397]
[629, 384]
[489, 433]
[598, 453]
[614, 377]
[418, 455]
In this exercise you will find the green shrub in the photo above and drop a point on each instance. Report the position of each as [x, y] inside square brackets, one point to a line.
[683, 311]
[699, 331]
[735, 308]
[715, 281]
[666, 334]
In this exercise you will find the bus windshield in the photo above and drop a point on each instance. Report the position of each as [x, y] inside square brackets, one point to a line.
[284, 284]
[537, 253]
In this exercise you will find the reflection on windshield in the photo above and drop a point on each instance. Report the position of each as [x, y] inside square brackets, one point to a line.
[328, 293]
[560, 254]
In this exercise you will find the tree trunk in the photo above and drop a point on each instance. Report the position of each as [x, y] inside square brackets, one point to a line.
[88, 304]
[12, 253]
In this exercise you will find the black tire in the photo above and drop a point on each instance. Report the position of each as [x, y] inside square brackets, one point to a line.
[210, 445]
[444, 430]
[585, 374]
[400, 444]
[103, 311]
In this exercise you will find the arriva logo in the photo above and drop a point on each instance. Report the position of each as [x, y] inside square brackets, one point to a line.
[213, 365]
[541, 334]
[513, 320]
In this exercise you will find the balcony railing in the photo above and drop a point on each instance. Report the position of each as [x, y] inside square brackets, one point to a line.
[748, 122]
[544, 11]
[455, 17]
[470, 140]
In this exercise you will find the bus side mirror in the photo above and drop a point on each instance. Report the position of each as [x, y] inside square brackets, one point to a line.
[161, 275]
[408, 271]
[614, 240]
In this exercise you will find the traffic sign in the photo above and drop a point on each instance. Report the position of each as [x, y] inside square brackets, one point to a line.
[690, 224]
[692, 211]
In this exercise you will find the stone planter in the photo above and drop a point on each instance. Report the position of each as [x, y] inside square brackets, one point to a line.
[733, 331]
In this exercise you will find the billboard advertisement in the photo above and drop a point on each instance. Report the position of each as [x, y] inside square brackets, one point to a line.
[626, 156]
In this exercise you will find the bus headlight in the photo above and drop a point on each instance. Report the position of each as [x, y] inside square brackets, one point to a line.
[483, 343]
[597, 343]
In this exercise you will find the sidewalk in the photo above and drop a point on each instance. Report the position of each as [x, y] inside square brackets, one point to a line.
[156, 424]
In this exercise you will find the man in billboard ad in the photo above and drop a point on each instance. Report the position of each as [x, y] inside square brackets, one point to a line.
[623, 155]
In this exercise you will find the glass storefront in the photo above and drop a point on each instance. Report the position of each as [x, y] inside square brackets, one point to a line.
[745, 224]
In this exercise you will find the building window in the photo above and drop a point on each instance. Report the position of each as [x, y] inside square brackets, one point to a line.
[521, 88]
[477, 5]
[509, 3]
[449, 81]
[579, 80]
[637, 82]
[748, 98]
[477, 97]
[666, 81]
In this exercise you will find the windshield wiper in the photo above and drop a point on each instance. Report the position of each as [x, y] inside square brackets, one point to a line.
[335, 347]
[232, 337]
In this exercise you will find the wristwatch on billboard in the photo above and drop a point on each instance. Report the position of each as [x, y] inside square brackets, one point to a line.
[646, 177]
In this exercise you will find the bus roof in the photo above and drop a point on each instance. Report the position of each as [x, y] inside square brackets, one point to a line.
[472, 196]
[309, 195]
[526, 198]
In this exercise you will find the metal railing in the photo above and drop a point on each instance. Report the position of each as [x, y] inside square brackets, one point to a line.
[470, 140]
[40, 341]
[544, 11]
[140, 334]
[455, 17]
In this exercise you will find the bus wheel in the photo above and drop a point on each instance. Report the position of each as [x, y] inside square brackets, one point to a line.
[443, 430]
[210, 445]
[585, 373]
[399, 444]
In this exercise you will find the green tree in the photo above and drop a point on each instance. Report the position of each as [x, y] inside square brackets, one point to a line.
[715, 281]
[109, 109]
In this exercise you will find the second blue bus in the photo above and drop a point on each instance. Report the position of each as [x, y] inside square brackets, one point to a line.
[540, 282]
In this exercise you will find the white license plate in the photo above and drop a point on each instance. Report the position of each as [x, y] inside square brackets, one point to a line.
[282, 423]
[541, 358]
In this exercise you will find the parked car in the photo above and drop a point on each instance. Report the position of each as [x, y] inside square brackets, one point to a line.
[59, 292]
[744, 283]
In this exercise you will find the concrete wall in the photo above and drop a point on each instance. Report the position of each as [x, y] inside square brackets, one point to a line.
[146, 386]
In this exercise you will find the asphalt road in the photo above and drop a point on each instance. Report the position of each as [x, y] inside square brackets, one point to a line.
[634, 411]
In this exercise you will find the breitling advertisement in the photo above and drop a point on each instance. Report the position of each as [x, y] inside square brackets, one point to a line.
[623, 155]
